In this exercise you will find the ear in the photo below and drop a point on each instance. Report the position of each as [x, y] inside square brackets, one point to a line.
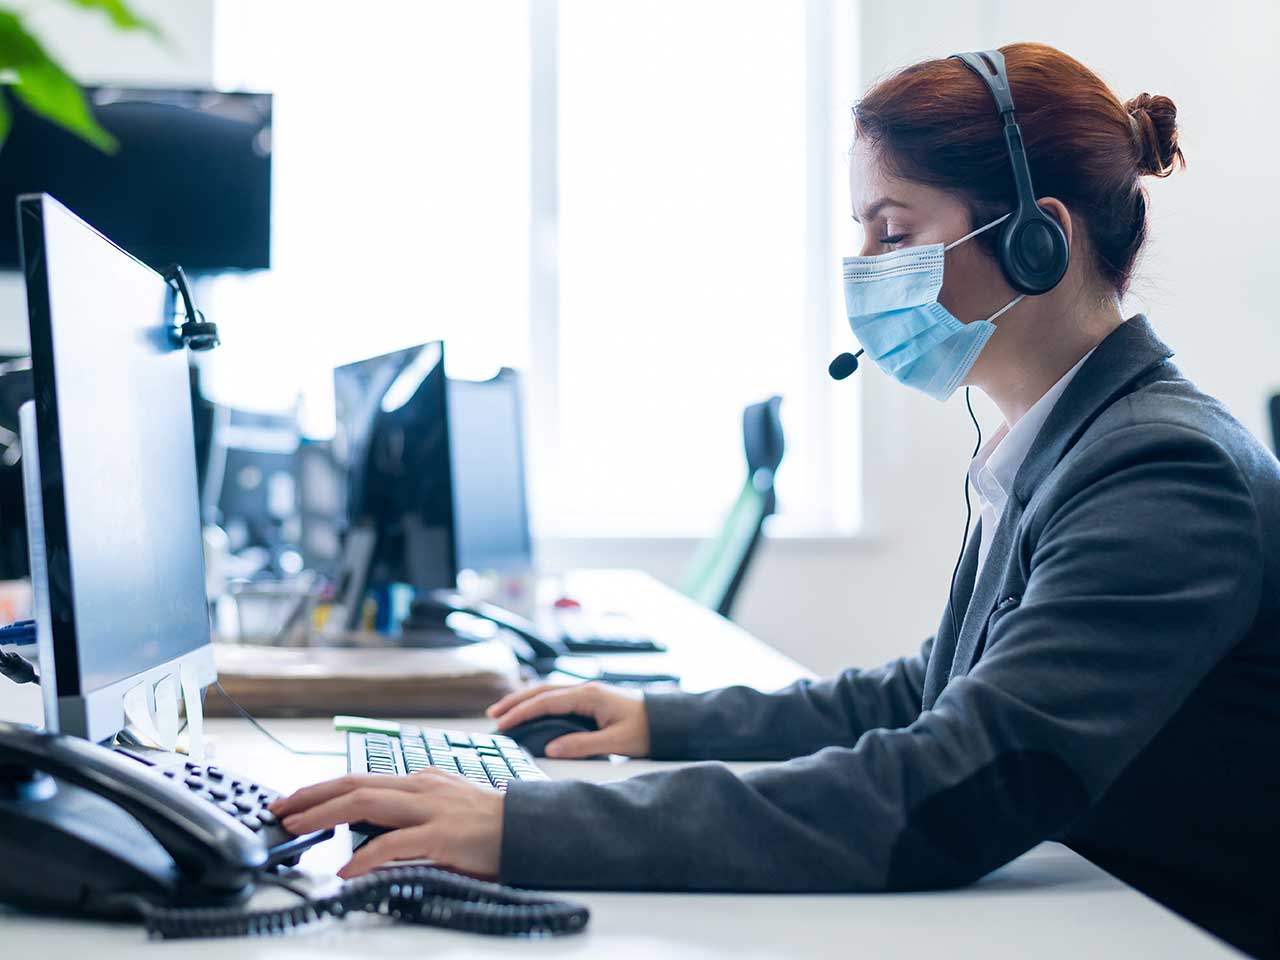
[1058, 210]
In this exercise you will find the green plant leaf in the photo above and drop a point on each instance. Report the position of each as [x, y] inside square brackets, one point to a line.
[44, 86]
[6, 121]
[120, 15]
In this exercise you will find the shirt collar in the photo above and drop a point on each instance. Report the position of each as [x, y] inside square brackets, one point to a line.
[993, 469]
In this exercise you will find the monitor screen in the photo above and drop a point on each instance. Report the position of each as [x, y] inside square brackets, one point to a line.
[490, 509]
[393, 437]
[190, 183]
[117, 456]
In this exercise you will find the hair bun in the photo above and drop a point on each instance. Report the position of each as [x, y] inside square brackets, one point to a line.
[1155, 125]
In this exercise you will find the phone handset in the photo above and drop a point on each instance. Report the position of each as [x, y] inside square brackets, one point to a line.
[211, 852]
[531, 646]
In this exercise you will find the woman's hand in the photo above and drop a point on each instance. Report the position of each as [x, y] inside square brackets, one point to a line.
[620, 715]
[436, 815]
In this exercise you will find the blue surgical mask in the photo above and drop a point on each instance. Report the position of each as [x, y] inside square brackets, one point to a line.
[892, 301]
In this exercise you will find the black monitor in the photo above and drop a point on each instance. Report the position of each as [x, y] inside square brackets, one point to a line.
[190, 183]
[393, 437]
[15, 390]
[117, 555]
[491, 511]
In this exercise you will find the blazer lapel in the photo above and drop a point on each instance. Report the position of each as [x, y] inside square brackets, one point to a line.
[938, 669]
[987, 588]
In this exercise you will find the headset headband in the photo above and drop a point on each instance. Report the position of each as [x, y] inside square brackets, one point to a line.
[1033, 251]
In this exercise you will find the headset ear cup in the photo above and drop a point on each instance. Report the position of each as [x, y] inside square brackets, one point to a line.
[1033, 252]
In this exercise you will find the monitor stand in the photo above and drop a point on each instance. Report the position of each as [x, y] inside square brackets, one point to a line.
[148, 702]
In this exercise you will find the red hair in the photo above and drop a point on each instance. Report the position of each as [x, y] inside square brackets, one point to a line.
[935, 123]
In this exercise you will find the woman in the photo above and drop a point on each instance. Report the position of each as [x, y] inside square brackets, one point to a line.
[1106, 670]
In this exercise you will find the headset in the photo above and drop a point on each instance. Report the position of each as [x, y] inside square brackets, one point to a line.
[1032, 248]
[195, 332]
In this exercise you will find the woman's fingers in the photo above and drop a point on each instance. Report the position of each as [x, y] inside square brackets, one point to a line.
[405, 844]
[308, 797]
[385, 807]
[497, 709]
[575, 746]
[568, 700]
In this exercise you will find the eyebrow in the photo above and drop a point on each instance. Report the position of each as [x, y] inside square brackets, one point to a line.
[879, 205]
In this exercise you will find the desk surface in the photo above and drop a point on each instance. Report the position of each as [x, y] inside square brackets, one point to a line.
[1049, 902]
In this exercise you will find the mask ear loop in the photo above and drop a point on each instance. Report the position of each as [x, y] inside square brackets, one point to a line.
[968, 514]
[973, 233]
[1008, 306]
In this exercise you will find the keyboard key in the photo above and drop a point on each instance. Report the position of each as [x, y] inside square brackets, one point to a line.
[244, 806]
[457, 738]
[482, 740]
[217, 793]
[226, 807]
[266, 817]
[252, 822]
[195, 783]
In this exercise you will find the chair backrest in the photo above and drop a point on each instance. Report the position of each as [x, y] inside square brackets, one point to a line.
[721, 563]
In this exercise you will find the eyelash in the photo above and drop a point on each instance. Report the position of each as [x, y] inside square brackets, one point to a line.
[895, 238]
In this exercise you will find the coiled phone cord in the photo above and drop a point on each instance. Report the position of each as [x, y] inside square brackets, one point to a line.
[424, 895]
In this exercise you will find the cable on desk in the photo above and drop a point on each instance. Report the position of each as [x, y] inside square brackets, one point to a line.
[268, 734]
[423, 895]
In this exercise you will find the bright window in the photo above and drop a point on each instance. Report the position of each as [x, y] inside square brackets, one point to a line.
[642, 205]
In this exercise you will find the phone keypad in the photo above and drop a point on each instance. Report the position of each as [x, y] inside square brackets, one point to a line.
[243, 800]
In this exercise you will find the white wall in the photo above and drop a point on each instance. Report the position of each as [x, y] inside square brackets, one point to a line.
[1207, 283]
[94, 52]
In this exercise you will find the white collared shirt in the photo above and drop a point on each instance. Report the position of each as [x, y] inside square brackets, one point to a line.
[992, 471]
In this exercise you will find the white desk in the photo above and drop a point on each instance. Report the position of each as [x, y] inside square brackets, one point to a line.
[1050, 902]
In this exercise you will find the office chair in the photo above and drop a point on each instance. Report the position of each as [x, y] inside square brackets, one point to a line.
[1275, 424]
[717, 570]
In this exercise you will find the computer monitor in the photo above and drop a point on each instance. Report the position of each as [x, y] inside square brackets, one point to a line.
[15, 390]
[113, 512]
[256, 502]
[491, 514]
[190, 182]
[393, 437]
[1275, 424]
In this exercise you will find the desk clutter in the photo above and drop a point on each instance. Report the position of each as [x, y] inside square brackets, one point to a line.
[388, 681]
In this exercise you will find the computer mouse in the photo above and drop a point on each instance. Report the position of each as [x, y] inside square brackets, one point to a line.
[534, 735]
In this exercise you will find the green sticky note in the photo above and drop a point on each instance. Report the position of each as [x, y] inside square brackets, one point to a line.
[366, 725]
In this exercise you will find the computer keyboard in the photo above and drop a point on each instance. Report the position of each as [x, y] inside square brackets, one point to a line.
[240, 798]
[583, 632]
[490, 760]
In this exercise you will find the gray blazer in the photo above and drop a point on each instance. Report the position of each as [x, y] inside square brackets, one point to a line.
[1115, 684]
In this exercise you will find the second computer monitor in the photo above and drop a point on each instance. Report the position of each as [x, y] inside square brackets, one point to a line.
[491, 516]
[435, 467]
[393, 439]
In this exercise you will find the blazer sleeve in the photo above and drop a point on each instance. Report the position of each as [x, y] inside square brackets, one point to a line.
[741, 723]
[1145, 569]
